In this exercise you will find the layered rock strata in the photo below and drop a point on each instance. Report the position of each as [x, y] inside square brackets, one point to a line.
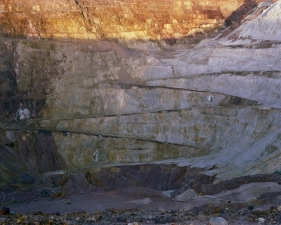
[120, 19]
[69, 104]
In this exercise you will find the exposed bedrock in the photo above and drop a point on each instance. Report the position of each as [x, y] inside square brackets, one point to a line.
[120, 19]
[89, 104]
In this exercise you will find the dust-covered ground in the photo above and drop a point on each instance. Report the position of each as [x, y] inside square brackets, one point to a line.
[253, 203]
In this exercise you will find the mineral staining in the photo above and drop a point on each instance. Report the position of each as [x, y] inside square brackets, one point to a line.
[102, 91]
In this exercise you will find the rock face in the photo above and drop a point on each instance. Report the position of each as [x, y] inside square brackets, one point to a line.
[125, 19]
[72, 104]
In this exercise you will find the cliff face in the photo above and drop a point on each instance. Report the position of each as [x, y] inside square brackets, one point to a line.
[68, 104]
[121, 19]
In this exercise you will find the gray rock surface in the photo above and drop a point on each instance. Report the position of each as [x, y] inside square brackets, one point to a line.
[215, 106]
[187, 195]
[217, 221]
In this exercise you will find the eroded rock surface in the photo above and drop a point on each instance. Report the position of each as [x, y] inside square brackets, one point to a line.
[121, 19]
[81, 104]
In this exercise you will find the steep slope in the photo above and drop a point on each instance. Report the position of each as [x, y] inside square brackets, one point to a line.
[245, 64]
[120, 19]
[72, 104]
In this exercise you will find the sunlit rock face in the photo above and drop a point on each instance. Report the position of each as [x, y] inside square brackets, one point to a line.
[121, 19]
[116, 98]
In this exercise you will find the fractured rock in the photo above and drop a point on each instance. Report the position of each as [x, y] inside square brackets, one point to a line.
[95, 103]
[187, 195]
[263, 210]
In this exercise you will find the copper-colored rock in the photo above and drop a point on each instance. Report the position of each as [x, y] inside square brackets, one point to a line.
[129, 19]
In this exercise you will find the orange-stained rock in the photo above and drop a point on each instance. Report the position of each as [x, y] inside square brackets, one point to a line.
[129, 19]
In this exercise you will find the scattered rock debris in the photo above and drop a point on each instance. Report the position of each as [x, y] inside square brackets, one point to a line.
[144, 217]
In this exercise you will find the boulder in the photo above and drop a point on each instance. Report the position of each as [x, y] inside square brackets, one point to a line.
[187, 195]
[217, 221]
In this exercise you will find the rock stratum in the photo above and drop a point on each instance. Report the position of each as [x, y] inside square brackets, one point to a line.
[118, 19]
[91, 84]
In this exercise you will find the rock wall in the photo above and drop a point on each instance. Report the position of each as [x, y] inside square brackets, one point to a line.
[80, 104]
[121, 19]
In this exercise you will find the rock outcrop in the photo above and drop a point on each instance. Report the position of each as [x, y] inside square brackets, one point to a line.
[73, 104]
[121, 19]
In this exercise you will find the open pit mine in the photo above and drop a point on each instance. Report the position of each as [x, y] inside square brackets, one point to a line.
[140, 96]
